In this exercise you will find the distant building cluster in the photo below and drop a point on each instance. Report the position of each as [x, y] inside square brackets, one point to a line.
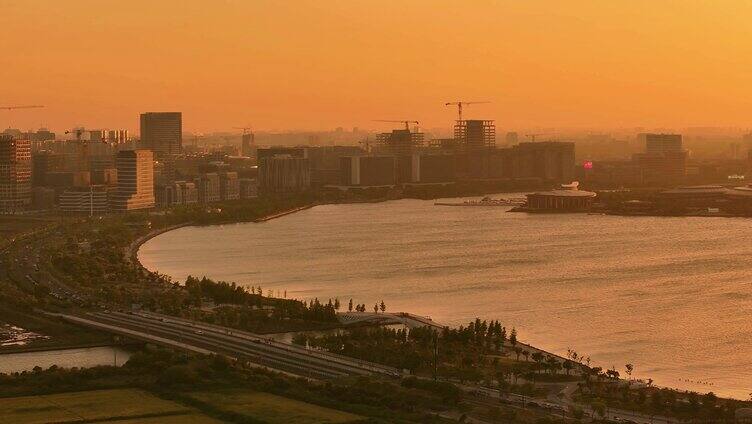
[106, 170]
[101, 171]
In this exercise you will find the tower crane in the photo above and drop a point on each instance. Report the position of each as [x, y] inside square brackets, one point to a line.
[245, 129]
[459, 105]
[532, 136]
[406, 122]
[21, 107]
[9, 108]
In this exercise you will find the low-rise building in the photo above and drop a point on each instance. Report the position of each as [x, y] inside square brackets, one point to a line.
[248, 188]
[90, 200]
[284, 174]
[208, 188]
[229, 186]
[566, 199]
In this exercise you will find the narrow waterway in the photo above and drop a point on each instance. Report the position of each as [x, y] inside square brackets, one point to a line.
[64, 358]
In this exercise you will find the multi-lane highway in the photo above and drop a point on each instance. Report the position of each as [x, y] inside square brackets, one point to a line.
[206, 338]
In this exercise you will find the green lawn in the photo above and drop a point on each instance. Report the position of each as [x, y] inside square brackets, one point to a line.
[90, 405]
[271, 408]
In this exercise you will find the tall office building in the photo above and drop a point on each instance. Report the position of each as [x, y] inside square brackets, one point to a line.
[117, 136]
[15, 173]
[661, 143]
[135, 180]
[664, 161]
[162, 133]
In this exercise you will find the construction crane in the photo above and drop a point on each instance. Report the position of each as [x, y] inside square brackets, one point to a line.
[459, 105]
[532, 136]
[245, 129]
[406, 122]
[21, 107]
[9, 108]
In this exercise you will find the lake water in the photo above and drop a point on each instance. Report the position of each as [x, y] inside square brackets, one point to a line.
[63, 358]
[673, 296]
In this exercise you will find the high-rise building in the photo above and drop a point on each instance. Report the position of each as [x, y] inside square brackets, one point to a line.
[549, 161]
[368, 170]
[661, 143]
[135, 180]
[98, 135]
[664, 161]
[117, 136]
[475, 135]
[15, 173]
[247, 147]
[284, 174]
[162, 133]
[398, 142]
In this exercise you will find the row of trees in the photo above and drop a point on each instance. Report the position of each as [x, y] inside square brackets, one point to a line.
[361, 307]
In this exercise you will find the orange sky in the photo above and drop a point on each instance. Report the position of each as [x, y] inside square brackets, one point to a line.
[321, 64]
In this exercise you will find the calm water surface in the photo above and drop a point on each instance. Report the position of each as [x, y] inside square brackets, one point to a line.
[64, 358]
[671, 295]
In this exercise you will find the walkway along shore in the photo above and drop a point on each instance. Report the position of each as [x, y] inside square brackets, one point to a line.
[132, 250]
[281, 214]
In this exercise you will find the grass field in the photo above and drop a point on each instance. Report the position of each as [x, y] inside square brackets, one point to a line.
[273, 409]
[130, 404]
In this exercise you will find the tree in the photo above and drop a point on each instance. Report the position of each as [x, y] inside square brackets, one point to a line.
[538, 358]
[629, 368]
[599, 408]
[526, 354]
[513, 337]
[567, 366]
[376, 308]
[382, 306]
[350, 306]
[517, 352]
[553, 365]
[336, 304]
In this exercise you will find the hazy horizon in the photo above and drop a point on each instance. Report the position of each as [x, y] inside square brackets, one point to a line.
[317, 66]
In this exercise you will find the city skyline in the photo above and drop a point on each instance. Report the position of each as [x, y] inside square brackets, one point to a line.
[308, 66]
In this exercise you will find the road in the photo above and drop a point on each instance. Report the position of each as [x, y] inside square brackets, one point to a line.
[206, 338]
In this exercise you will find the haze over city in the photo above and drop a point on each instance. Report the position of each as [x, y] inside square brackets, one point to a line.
[312, 65]
[414, 212]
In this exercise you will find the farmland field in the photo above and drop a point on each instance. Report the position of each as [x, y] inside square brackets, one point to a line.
[273, 409]
[131, 405]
